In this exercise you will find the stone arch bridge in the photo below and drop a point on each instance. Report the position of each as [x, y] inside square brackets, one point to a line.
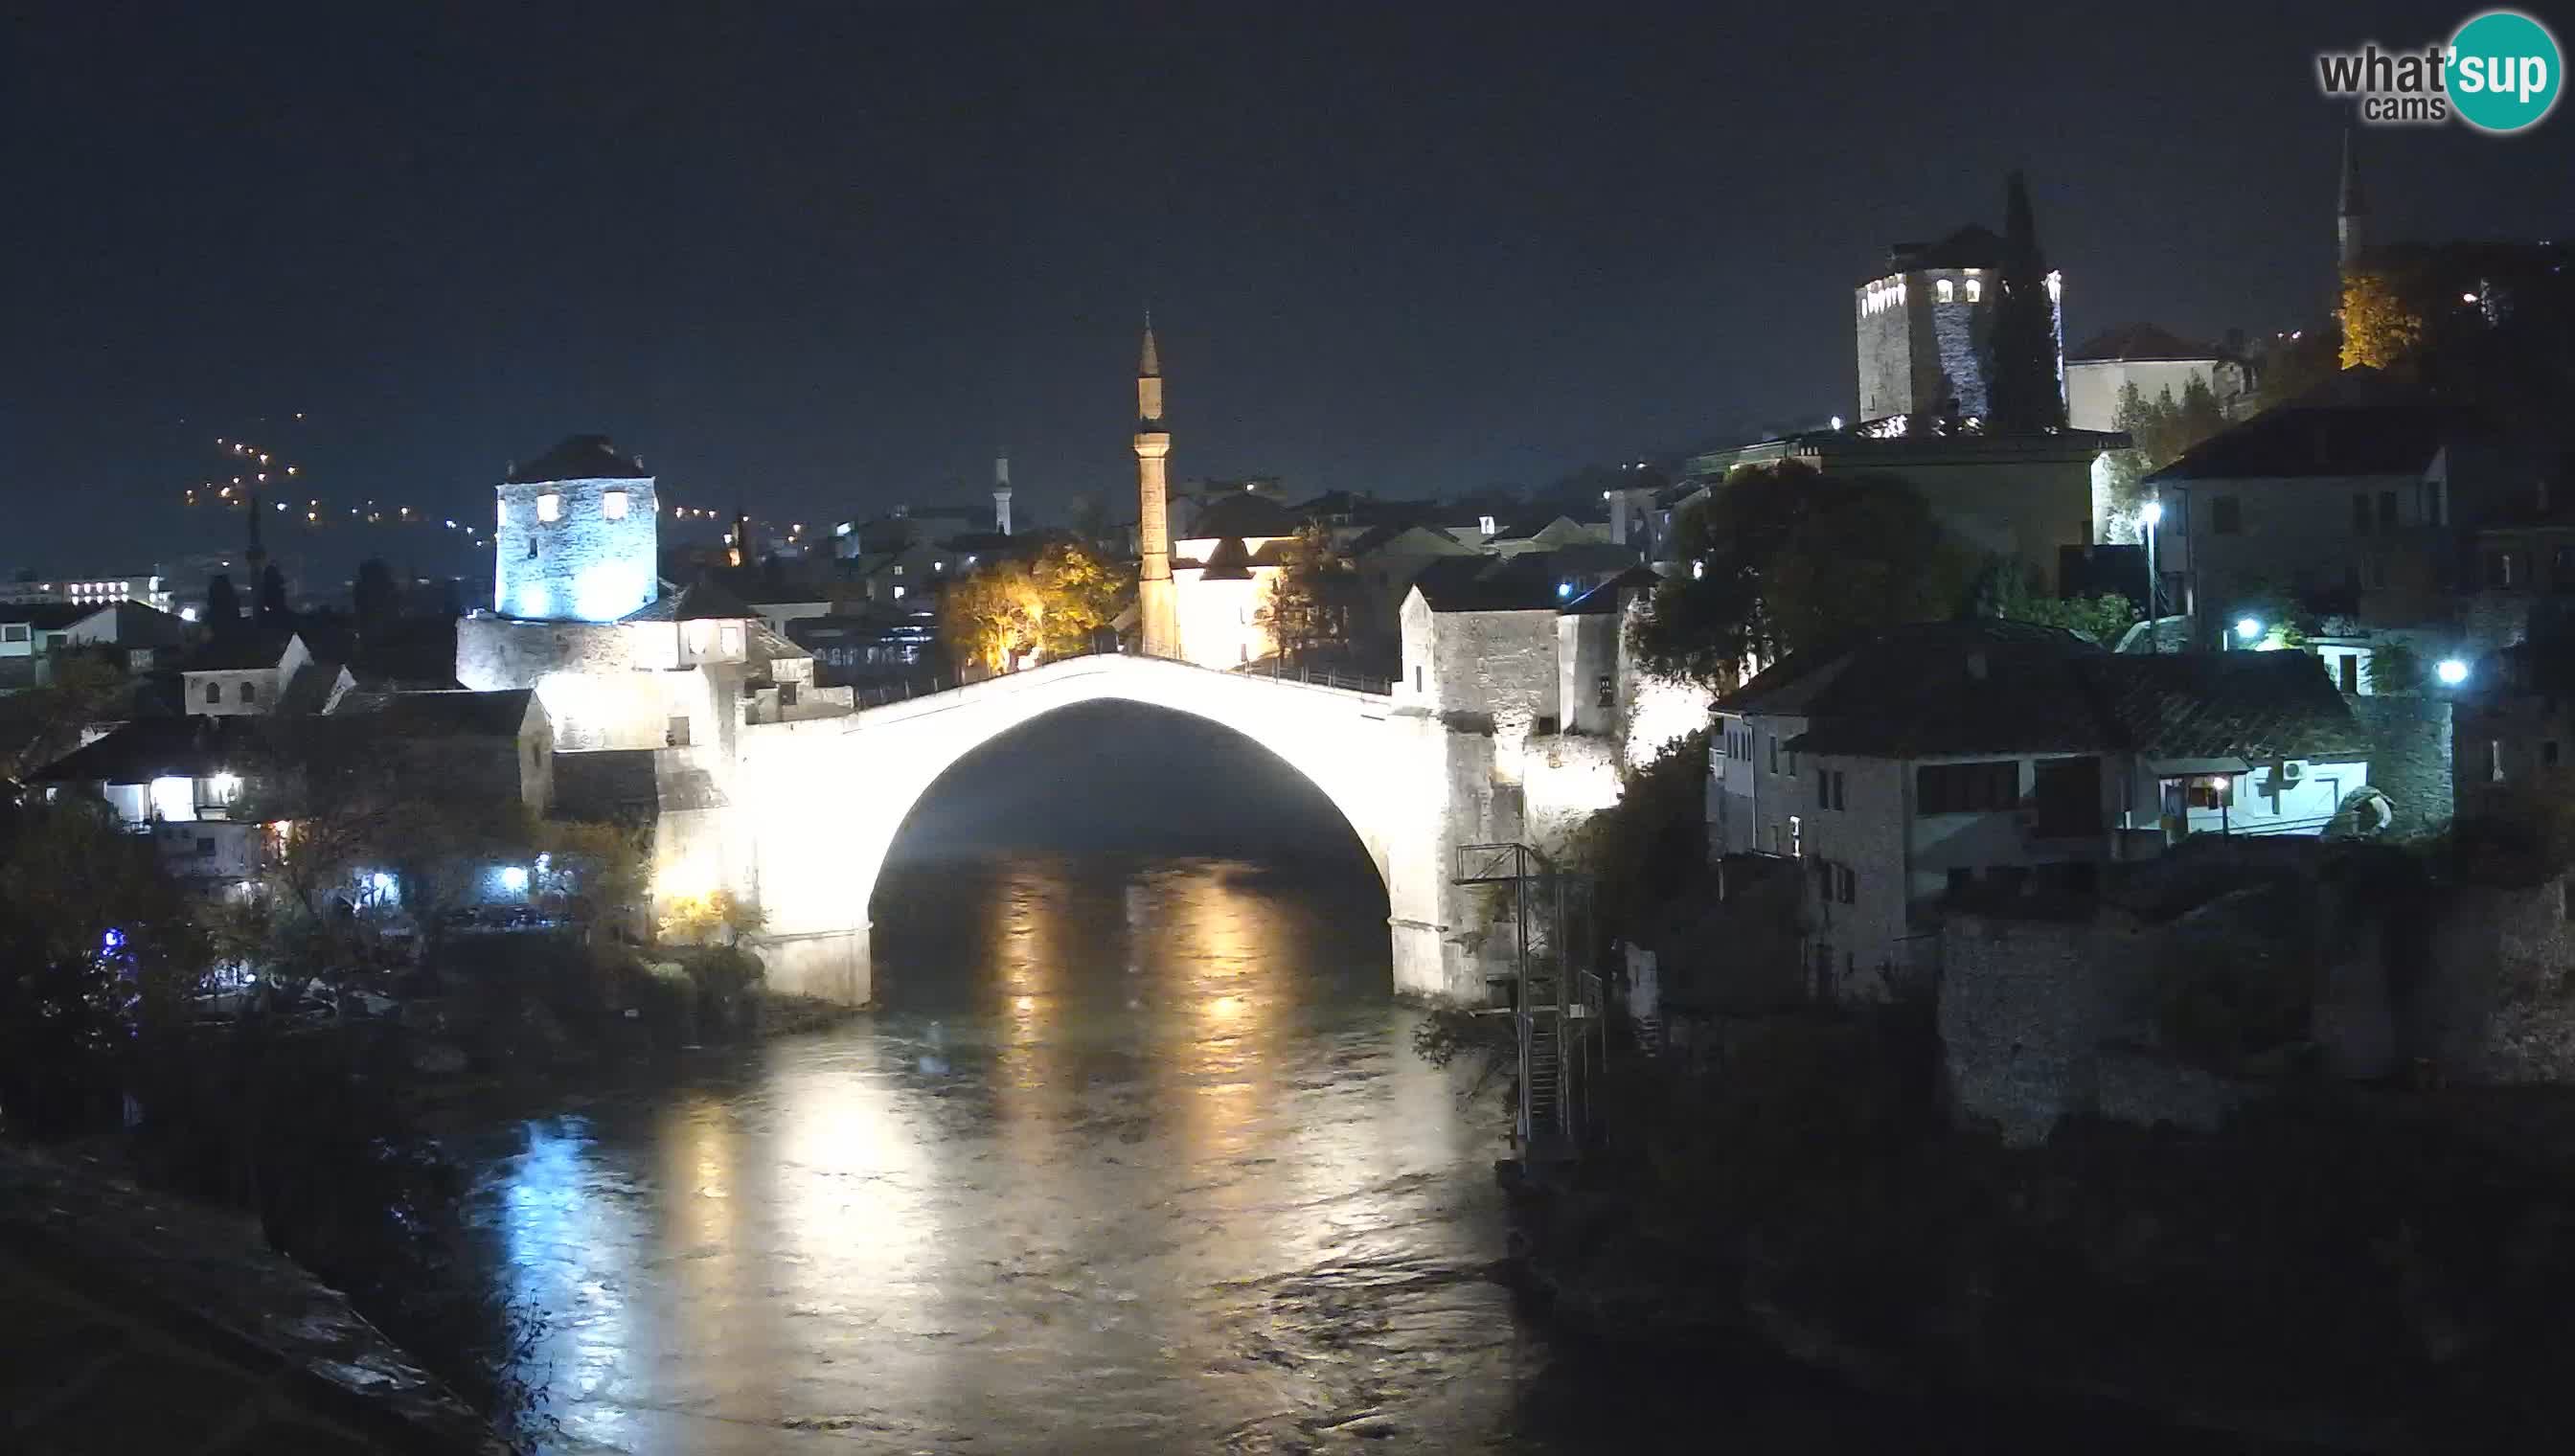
[812, 807]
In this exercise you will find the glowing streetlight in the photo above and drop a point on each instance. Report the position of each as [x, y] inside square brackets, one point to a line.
[2451, 672]
[2247, 627]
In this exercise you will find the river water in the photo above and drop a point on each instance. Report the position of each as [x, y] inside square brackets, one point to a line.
[1134, 1155]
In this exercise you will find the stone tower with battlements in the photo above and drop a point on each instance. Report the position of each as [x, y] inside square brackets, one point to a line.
[1158, 615]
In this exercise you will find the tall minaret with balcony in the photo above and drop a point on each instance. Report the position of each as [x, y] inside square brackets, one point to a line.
[1158, 614]
[2351, 214]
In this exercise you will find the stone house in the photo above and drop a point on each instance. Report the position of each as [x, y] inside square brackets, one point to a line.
[260, 671]
[2158, 363]
[1942, 761]
[2354, 499]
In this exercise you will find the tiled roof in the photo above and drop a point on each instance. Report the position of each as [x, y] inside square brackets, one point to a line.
[240, 650]
[578, 458]
[698, 601]
[2356, 423]
[1986, 687]
[164, 748]
[1243, 513]
[1488, 583]
[2253, 706]
[454, 714]
[45, 615]
[2143, 342]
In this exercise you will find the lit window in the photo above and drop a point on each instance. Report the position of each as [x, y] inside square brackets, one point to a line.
[1975, 289]
[897, 593]
[1947, 291]
[550, 507]
[505, 512]
[1484, 523]
[613, 505]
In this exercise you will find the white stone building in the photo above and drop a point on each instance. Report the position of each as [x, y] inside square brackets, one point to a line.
[1925, 328]
[2159, 364]
[1946, 762]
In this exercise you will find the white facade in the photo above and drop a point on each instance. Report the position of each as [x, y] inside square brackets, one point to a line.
[234, 691]
[2092, 386]
[575, 550]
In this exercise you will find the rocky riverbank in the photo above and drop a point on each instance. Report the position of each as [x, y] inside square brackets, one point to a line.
[2344, 1271]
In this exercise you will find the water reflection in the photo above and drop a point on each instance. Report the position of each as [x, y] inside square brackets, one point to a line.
[1136, 1157]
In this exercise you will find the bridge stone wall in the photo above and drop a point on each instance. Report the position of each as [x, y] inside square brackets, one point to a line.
[816, 805]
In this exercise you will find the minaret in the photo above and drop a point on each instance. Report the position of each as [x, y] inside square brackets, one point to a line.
[1002, 492]
[2353, 211]
[1157, 608]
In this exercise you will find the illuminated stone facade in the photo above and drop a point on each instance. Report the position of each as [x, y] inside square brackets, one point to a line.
[575, 535]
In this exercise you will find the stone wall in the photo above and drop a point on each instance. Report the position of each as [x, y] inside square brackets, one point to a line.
[584, 565]
[2024, 1008]
[2500, 1003]
[2409, 757]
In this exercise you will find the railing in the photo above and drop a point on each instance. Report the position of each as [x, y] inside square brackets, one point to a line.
[1346, 682]
[898, 691]
[1558, 997]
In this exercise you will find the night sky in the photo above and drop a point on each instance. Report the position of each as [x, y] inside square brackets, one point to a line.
[827, 258]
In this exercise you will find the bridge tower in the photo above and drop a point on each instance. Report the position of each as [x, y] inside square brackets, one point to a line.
[1158, 613]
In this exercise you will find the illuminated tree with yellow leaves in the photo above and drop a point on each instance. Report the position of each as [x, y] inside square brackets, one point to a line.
[1007, 613]
[2379, 327]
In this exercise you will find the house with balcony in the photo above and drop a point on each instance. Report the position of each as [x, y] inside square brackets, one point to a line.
[1948, 760]
[180, 781]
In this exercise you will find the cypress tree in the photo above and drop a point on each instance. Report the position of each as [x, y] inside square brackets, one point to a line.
[2022, 360]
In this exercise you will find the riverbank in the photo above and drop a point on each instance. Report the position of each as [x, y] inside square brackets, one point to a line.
[2341, 1269]
[139, 1322]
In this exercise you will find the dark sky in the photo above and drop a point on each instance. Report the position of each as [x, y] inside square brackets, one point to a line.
[828, 257]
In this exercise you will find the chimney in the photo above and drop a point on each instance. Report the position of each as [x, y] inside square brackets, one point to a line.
[1002, 492]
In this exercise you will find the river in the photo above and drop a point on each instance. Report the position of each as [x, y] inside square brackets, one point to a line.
[1134, 1155]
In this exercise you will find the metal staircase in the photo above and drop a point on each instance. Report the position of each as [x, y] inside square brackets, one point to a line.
[1553, 988]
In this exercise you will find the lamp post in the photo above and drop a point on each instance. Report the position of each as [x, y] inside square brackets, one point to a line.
[2154, 515]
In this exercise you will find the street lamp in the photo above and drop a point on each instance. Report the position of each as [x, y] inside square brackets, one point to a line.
[2451, 672]
[2155, 516]
[2247, 629]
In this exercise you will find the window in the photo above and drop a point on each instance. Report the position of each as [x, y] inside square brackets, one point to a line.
[214, 692]
[1837, 789]
[1796, 837]
[1845, 883]
[2225, 516]
[13, 632]
[2561, 569]
[2387, 510]
[2210, 790]
[2494, 761]
[1823, 790]
[897, 591]
[1417, 679]
[2548, 754]
[1960, 882]
[2067, 796]
[1950, 788]
[2360, 516]
[1607, 690]
[249, 692]
[1774, 752]
[550, 507]
[2500, 569]
[1975, 289]
[611, 503]
[1948, 291]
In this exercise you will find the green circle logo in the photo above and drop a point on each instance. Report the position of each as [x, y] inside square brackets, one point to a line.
[2503, 71]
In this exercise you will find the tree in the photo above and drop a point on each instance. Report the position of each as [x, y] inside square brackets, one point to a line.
[2026, 395]
[989, 616]
[1782, 558]
[43, 724]
[2012, 593]
[596, 871]
[272, 597]
[1079, 593]
[373, 600]
[223, 605]
[1309, 613]
[2379, 327]
[1008, 610]
[697, 920]
[97, 947]
[2160, 431]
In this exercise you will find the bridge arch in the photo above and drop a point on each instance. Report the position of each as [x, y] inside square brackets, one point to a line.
[816, 804]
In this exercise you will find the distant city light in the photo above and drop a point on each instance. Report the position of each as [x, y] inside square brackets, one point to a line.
[2247, 629]
[1563, 590]
[2451, 672]
[2155, 513]
[1837, 421]
[514, 878]
[381, 882]
[187, 613]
